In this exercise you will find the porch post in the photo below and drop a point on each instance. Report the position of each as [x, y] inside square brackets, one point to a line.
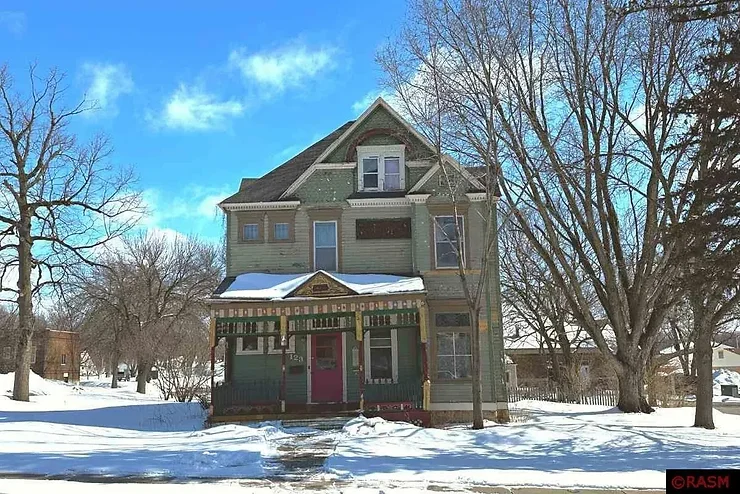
[423, 336]
[284, 345]
[361, 368]
[212, 343]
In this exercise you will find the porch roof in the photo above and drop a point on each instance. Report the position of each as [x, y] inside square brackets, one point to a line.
[271, 287]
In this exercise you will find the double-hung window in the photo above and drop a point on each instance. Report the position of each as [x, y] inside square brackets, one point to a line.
[446, 246]
[381, 168]
[381, 356]
[325, 254]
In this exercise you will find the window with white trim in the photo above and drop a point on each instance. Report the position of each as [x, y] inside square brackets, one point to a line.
[325, 245]
[454, 355]
[381, 168]
[275, 343]
[381, 356]
[64, 359]
[250, 344]
[33, 355]
[720, 354]
[6, 353]
[445, 241]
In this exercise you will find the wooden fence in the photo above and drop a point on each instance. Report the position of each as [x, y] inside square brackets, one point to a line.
[605, 397]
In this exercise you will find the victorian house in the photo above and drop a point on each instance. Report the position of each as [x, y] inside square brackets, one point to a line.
[342, 291]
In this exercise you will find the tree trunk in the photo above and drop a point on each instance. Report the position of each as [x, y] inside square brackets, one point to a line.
[25, 309]
[142, 375]
[114, 371]
[631, 393]
[704, 379]
[476, 371]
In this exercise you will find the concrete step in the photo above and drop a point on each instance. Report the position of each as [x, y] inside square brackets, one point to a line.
[322, 424]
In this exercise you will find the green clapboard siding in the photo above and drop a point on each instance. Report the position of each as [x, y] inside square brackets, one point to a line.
[379, 119]
[409, 364]
[256, 367]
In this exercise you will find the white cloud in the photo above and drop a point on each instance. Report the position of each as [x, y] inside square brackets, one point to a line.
[192, 108]
[285, 67]
[363, 103]
[13, 22]
[107, 83]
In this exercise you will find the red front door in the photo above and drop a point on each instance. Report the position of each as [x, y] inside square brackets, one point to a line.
[326, 368]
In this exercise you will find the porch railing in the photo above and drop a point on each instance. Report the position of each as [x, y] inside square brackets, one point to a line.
[409, 391]
[228, 398]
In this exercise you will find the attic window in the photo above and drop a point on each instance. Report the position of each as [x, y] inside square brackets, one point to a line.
[381, 168]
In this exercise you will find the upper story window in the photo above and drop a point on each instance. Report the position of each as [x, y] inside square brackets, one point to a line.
[325, 245]
[281, 231]
[720, 354]
[445, 241]
[251, 232]
[381, 168]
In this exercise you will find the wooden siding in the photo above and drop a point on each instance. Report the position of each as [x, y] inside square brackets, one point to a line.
[248, 368]
[379, 119]
[375, 256]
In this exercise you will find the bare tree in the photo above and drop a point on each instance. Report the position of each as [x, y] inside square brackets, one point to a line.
[60, 201]
[144, 290]
[569, 105]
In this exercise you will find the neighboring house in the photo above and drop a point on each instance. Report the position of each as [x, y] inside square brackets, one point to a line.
[342, 290]
[534, 364]
[55, 355]
[726, 357]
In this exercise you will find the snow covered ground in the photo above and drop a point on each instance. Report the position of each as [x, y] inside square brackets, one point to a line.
[67, 431]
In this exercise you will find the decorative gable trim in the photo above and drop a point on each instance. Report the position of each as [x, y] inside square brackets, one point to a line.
[379, 202]
[257, 206]
[452, 162]
[321, 285]
[378, 102]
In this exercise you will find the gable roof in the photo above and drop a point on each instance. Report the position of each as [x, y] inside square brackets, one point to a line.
[272, 185]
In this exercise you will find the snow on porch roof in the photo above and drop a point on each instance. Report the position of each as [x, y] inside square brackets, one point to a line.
[265, 286]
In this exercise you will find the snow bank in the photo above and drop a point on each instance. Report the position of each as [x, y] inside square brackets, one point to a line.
[37, 385]
[574, 446]
[92, 429]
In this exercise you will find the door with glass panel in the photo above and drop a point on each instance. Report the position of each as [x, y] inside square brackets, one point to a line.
[325, 254]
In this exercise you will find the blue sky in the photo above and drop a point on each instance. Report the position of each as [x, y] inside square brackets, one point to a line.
[193, 98]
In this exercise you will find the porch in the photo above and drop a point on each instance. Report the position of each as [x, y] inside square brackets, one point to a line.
[341, 354]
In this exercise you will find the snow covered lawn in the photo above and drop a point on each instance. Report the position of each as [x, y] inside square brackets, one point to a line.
[92, 430]
[560, 445]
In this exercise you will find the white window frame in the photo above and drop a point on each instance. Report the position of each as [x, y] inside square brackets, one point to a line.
[381, 152]
[462, 241]
[260, 343]
[271, 348]
[452, 330]
[63, 359]
[33, 354]
[336, 243]
[394, 360]
[720, 354]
